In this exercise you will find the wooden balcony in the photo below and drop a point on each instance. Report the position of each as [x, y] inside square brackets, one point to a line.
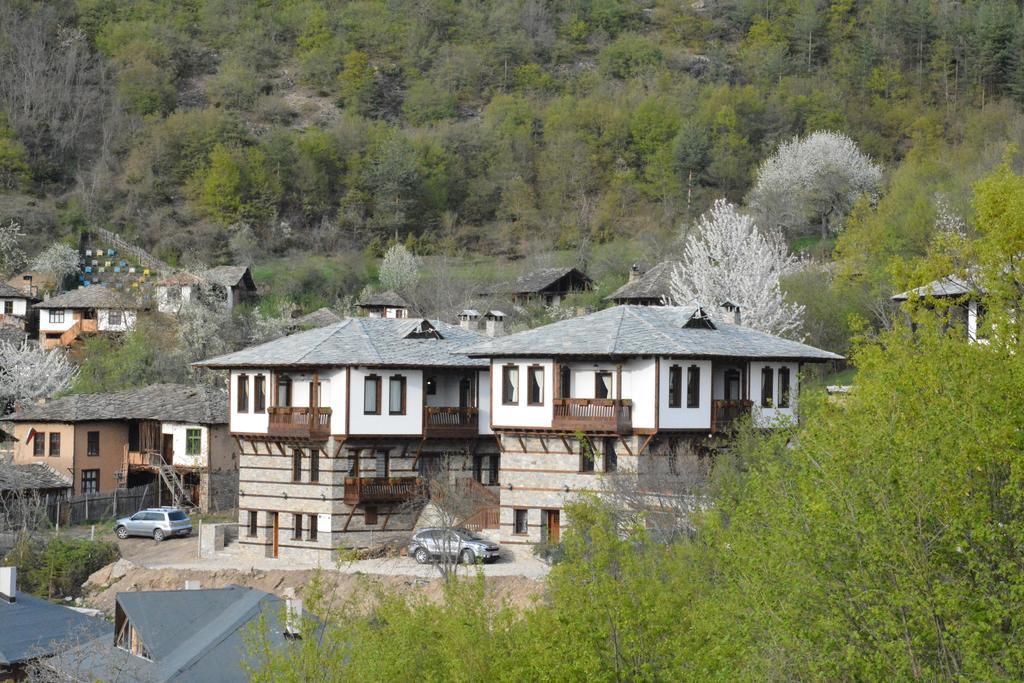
[725, 413]
[443, 422]
[593, 415]
[299, 423]
[380, 490]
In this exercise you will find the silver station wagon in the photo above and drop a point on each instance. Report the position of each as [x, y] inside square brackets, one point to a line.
[157, 523]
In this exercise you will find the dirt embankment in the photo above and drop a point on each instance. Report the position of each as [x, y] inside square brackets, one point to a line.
[121, 576]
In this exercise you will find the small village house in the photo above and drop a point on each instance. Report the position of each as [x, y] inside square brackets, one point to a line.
[383, 305]
[961, 299]
[16, 308]
[547, 286]
[96, 309]
[168, 435]
[229, 286]
[652, 287]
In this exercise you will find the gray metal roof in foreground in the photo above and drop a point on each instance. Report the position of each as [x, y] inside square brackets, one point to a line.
[191, 635]
[31, 628]
[361, 341]
[647, 331]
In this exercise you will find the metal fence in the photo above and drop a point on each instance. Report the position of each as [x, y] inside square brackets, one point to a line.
[107, 505]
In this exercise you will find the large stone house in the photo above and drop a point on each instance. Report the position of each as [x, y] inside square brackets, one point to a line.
[67, 317]
[338, 425]
[169, 435]
[596, 395]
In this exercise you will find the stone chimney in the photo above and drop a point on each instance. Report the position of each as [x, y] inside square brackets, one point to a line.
[730, 307]
[8, 584]
[469, 319]
[495, 323]
[634, 272]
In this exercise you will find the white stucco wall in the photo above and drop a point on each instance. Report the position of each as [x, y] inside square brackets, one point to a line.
[683, 417]
[103, 323]
[766, 417]
[521, 414]
[46, 326]
[20, 306]
[484, 400]
[178, 432]
[384, 423]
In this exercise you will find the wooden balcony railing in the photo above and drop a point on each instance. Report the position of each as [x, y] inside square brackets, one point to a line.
[380, 490]
[725, 413]
[302, 423]
[593, 415]
[450, 422]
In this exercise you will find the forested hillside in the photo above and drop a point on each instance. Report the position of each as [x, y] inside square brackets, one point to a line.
[225, 130]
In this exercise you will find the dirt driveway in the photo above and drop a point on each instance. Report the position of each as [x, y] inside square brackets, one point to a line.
[147, 552]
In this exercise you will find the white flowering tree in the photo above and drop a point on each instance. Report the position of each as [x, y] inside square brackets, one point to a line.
[728, 259]
[58, 261]
[29, 373]
[400, 270]
[813, 181]
[12, 257]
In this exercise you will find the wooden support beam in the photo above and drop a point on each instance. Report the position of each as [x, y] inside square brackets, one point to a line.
[387, 518]
[565, 442]
[625, 444]
[522, 444]
[348, 519]
[646, 443]
[544, 443]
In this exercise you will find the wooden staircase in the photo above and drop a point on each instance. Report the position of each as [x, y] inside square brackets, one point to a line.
[154, 461]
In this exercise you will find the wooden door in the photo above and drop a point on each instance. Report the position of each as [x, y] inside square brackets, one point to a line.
[552, 526]
[168, 448]
[275, 522]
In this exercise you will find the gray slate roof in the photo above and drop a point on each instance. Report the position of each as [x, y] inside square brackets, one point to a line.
[93, 296]
[226, 276]
[33, 476]
[647, 331]
[9, 292]
[360, 341]
[33, 627]
[656, 283]
[537, 281]
[12, 335]
[388, 298]
[948, 286]
[163, 402]
[321, 317]
[191, 635]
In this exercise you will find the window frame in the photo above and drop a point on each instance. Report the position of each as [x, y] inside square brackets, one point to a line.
[598, 374]
[197, 434]
[693, 373]
[524, 513]
[53, 440]
[369, 513]
[610, 457]
[242, 393]
[430, 385]
[376, 381]
[115, 318]
[284, 382]
[9, 307]
[313, 530]
[767, 387]
[531, 376]
[297, 464]
[510, 384]
[39, 445]
[314, 465]
[254, 523]
[90, 436]
[587, 455]
[400, 380]
[377, 453]
[56, 316]
[297, 526]
[259, 393]
[785, 387]
[675, 386]
[93, 479]
[564, 381]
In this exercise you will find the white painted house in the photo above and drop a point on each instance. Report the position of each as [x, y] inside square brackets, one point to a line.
[228, 286]
[961, 298]
[592, 395]
[95, 309]
[339, 424]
